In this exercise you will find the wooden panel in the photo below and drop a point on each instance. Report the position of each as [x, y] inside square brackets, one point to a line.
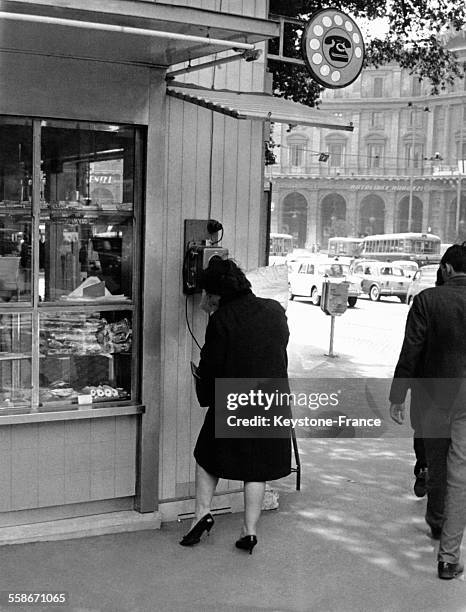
[57, 463]
[173, 240]
[188, 211]
[243, 190]
[112, 92]
[152, 296]
[56, 513]
[236, 203]
[239, 75]
[221, 176]
[234, 6]
[230, 161]
[257, 230]
[203, 210]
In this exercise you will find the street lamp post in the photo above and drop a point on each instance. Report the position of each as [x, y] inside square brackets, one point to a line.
[460, 174]
[411, 178]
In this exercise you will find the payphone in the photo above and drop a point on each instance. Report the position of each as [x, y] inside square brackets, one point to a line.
[201, 244]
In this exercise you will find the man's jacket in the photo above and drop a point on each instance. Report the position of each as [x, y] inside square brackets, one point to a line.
[432, 361]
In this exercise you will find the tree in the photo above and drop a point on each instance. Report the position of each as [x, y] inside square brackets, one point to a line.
[415, 41]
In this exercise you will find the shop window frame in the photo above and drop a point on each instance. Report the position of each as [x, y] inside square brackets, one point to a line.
[36, 308]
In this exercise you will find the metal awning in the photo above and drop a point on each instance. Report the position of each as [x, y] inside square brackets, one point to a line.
[125, 31]
[257, 106]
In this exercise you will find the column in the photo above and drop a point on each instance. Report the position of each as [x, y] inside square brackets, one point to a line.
[425, 209]
[352, 211]
[448, 137]
[390, 205]
[311, 235]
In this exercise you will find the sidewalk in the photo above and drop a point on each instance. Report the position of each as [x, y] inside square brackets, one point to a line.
[353, 540]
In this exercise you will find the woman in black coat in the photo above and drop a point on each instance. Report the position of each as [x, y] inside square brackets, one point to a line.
[246, 337]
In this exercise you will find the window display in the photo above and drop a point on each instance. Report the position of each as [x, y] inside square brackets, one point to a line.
[68, 219]
[85, 354]
[87, 182]
[15, 363]
[15, 209]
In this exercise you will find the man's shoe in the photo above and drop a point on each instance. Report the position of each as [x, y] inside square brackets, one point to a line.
[420, 483]
[448, 571]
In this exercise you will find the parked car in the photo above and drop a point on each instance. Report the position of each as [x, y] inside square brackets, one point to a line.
[409, 267]
[381, 278]
[425, 277]
[311, 273]
[293, 259]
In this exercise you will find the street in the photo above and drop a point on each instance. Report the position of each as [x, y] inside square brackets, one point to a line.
[367, 339]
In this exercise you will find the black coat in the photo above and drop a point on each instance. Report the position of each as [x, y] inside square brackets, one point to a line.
[245, 338]
[432, 361]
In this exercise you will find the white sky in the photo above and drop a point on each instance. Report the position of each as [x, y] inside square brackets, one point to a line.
[375, 28]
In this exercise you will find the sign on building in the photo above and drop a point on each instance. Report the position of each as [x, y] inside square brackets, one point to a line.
[333, 48]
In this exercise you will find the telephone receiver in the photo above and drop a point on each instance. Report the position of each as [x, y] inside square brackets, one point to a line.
[339, 44]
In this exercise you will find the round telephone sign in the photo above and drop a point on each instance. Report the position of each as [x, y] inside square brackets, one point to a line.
[333, 48]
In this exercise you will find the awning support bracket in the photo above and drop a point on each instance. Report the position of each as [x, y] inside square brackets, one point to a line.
[249, 55]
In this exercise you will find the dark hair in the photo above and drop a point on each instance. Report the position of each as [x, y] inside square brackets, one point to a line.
[456, 257]
[224, 278]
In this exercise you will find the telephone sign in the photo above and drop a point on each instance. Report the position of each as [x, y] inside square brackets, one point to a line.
[333, 48]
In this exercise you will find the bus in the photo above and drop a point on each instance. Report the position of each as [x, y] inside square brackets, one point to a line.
[280, 246]
[349, 247]
[409, 246]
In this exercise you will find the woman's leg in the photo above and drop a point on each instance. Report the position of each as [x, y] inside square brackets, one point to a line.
[253, 499]
[205, 489]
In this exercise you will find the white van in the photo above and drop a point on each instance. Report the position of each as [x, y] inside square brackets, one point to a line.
[309, 275]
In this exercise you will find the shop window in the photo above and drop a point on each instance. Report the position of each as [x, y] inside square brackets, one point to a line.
[15, 210]
[68, 222]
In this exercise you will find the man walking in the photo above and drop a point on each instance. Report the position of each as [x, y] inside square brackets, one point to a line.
[432, 362]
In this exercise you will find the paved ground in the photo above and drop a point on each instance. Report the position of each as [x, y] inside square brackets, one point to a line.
[353, 539]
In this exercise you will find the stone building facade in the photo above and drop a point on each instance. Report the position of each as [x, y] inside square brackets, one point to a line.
[402, 169]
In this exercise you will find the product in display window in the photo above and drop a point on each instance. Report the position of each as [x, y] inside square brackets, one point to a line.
[105, 392]
[83, 334]
[93, 289]
[90, 353]
[15, 363]
[70, 219]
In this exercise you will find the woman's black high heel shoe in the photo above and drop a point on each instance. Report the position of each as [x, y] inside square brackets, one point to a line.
[246, 543]
[194, 535]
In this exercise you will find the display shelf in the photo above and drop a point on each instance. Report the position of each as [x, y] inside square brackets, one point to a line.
[58, 306]
[78, 412]
[14, 356]
[91, 210]
[13, 206]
